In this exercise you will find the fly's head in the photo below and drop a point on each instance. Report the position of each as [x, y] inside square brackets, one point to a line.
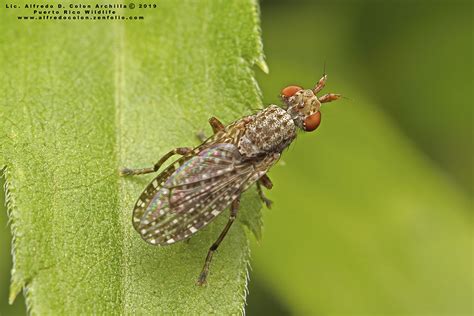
[303, 104]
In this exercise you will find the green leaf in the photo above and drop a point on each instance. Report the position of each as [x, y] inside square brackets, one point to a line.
[79, 99]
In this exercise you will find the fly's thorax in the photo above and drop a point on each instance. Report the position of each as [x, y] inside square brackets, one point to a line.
[270, 130]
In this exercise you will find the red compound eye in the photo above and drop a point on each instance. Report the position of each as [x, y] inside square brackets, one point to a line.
[290, 91]
[312, 122]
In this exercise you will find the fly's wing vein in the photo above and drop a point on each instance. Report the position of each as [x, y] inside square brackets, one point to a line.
[182, 226]
[181, 201]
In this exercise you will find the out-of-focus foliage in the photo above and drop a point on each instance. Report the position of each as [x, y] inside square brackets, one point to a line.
[372, 212]
[419, 57]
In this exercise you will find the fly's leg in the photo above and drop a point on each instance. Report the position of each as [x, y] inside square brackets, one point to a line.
[205, 270]
[216, 126]
[267, 183]
[201, 136]
[329, 97]
[177, 151]
[262, 196]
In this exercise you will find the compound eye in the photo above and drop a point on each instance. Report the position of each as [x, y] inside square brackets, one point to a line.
[290, 91]
[312, 122]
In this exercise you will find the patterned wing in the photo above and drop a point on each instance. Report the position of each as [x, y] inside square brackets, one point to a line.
[181, 201]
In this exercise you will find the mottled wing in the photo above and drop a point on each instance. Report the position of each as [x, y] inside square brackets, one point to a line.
[181, 201]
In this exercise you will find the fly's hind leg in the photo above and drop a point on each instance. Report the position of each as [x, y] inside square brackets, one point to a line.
[216, 126]
[177, 151]
[234, 208]
[267, 183]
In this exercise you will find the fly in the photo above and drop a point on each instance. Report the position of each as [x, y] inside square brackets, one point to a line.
[196, 188]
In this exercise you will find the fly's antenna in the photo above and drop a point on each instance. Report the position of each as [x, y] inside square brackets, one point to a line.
[322, 82]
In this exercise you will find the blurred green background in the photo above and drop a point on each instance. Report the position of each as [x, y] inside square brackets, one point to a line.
[372, 212]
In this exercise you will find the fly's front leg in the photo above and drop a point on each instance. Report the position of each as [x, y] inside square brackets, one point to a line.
[216, 126]
[267, 183]
[205, 270]
[177, 151]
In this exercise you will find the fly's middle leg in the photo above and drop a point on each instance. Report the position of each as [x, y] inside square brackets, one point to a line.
[234, 208]
[267, 183]
[177, 151]
[216, 126]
